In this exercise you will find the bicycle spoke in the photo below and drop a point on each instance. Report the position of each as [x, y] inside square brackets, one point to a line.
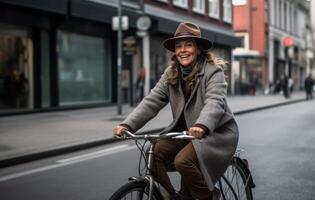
[234, 184]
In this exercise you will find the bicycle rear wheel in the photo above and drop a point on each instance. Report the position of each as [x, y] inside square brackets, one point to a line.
[234, 184]
[133, 191]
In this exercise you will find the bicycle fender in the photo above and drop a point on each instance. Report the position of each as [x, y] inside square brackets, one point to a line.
[244, 164]
[138, 179]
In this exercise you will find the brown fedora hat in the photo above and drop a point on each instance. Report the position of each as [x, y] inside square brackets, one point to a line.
[187, 30]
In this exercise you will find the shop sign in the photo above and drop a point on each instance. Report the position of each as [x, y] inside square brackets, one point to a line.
[287, 42]
[238, 2]
[130, 45]
[124, 23]
[125, 78]
[143, 23]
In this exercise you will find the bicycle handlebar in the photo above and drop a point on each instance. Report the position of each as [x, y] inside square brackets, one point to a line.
[171, 135]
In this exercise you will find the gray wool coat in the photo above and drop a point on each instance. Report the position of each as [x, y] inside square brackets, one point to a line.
[207, 106]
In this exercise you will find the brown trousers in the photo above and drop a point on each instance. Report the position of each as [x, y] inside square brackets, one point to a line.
[186, 163]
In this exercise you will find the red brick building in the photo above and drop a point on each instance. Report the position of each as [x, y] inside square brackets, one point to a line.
[250, 22]
[264, 58]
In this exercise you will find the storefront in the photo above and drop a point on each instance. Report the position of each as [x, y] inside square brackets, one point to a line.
[84, 69]
[50, 61]
[60, 55]
[16, 67]
[248, 72]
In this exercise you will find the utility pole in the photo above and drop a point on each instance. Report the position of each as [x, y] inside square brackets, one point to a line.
[312, 28]
[143, 24]
[119, 61]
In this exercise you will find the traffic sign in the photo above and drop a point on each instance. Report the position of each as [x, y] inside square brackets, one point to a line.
[124, 23]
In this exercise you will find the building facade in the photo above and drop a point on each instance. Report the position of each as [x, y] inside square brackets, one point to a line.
[275, 34]
[310, 41]
[250, 22]
[288, 22]
[62, 54]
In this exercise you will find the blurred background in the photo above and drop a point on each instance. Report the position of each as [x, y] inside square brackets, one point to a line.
[60, 54]
[105, 55]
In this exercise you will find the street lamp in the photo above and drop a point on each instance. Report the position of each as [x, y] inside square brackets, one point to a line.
[287, 43]
[143, 24]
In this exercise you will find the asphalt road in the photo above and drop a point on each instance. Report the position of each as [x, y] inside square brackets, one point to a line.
[278, 142]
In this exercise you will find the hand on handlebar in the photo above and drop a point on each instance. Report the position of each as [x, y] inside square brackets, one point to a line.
[119, 131]
[197, 132]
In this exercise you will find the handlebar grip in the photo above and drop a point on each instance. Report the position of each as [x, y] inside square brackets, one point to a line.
[123, 136]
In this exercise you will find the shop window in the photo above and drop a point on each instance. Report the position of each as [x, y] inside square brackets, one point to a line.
[45, 69]
[16, 67]
[84, 69]
[242, 38]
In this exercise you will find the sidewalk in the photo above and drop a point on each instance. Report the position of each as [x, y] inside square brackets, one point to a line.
[28, 137]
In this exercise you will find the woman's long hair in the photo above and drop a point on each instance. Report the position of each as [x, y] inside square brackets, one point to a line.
[173, 73]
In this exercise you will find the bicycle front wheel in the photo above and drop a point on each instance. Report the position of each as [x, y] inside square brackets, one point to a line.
[133, 190]
[234, 184]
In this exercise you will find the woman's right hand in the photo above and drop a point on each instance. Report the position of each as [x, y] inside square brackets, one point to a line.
[119, 130]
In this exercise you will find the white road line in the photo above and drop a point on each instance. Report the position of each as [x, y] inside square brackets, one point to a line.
[95, 154]
[32, 171]
[69, 161]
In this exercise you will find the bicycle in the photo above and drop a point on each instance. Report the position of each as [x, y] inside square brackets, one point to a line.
[235, 184]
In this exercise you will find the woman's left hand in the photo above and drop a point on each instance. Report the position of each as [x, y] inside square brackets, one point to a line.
[197, 132]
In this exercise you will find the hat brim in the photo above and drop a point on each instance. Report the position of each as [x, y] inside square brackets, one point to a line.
[202, 43]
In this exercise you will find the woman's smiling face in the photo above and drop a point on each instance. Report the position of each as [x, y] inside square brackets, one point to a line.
[186, 51]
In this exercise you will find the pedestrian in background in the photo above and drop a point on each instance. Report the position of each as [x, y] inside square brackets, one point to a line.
[21, 90]
[290, 85]
[284, 81]
[252, 86]
[140, 84]
[195, 87]
[308, 86]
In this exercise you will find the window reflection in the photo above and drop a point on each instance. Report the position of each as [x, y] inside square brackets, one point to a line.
[83, 69]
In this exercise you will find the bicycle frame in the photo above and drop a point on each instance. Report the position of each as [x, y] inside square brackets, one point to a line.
[147, 177]
[154, 189]
[149, 167]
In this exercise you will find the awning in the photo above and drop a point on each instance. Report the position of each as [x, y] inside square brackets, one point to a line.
[55, 6]
[243, 53]
[165, 21]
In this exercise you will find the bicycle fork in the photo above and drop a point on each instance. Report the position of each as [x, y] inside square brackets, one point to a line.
[149, 166]
[148, 178]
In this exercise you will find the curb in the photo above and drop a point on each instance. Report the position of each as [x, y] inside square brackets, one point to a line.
[67, 149]
[268, 107]
[62, 150]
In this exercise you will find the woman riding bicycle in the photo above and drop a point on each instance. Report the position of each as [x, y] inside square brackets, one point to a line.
[195, 87]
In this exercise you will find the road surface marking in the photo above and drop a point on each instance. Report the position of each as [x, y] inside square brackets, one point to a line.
[69, 161]
[96, 154]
